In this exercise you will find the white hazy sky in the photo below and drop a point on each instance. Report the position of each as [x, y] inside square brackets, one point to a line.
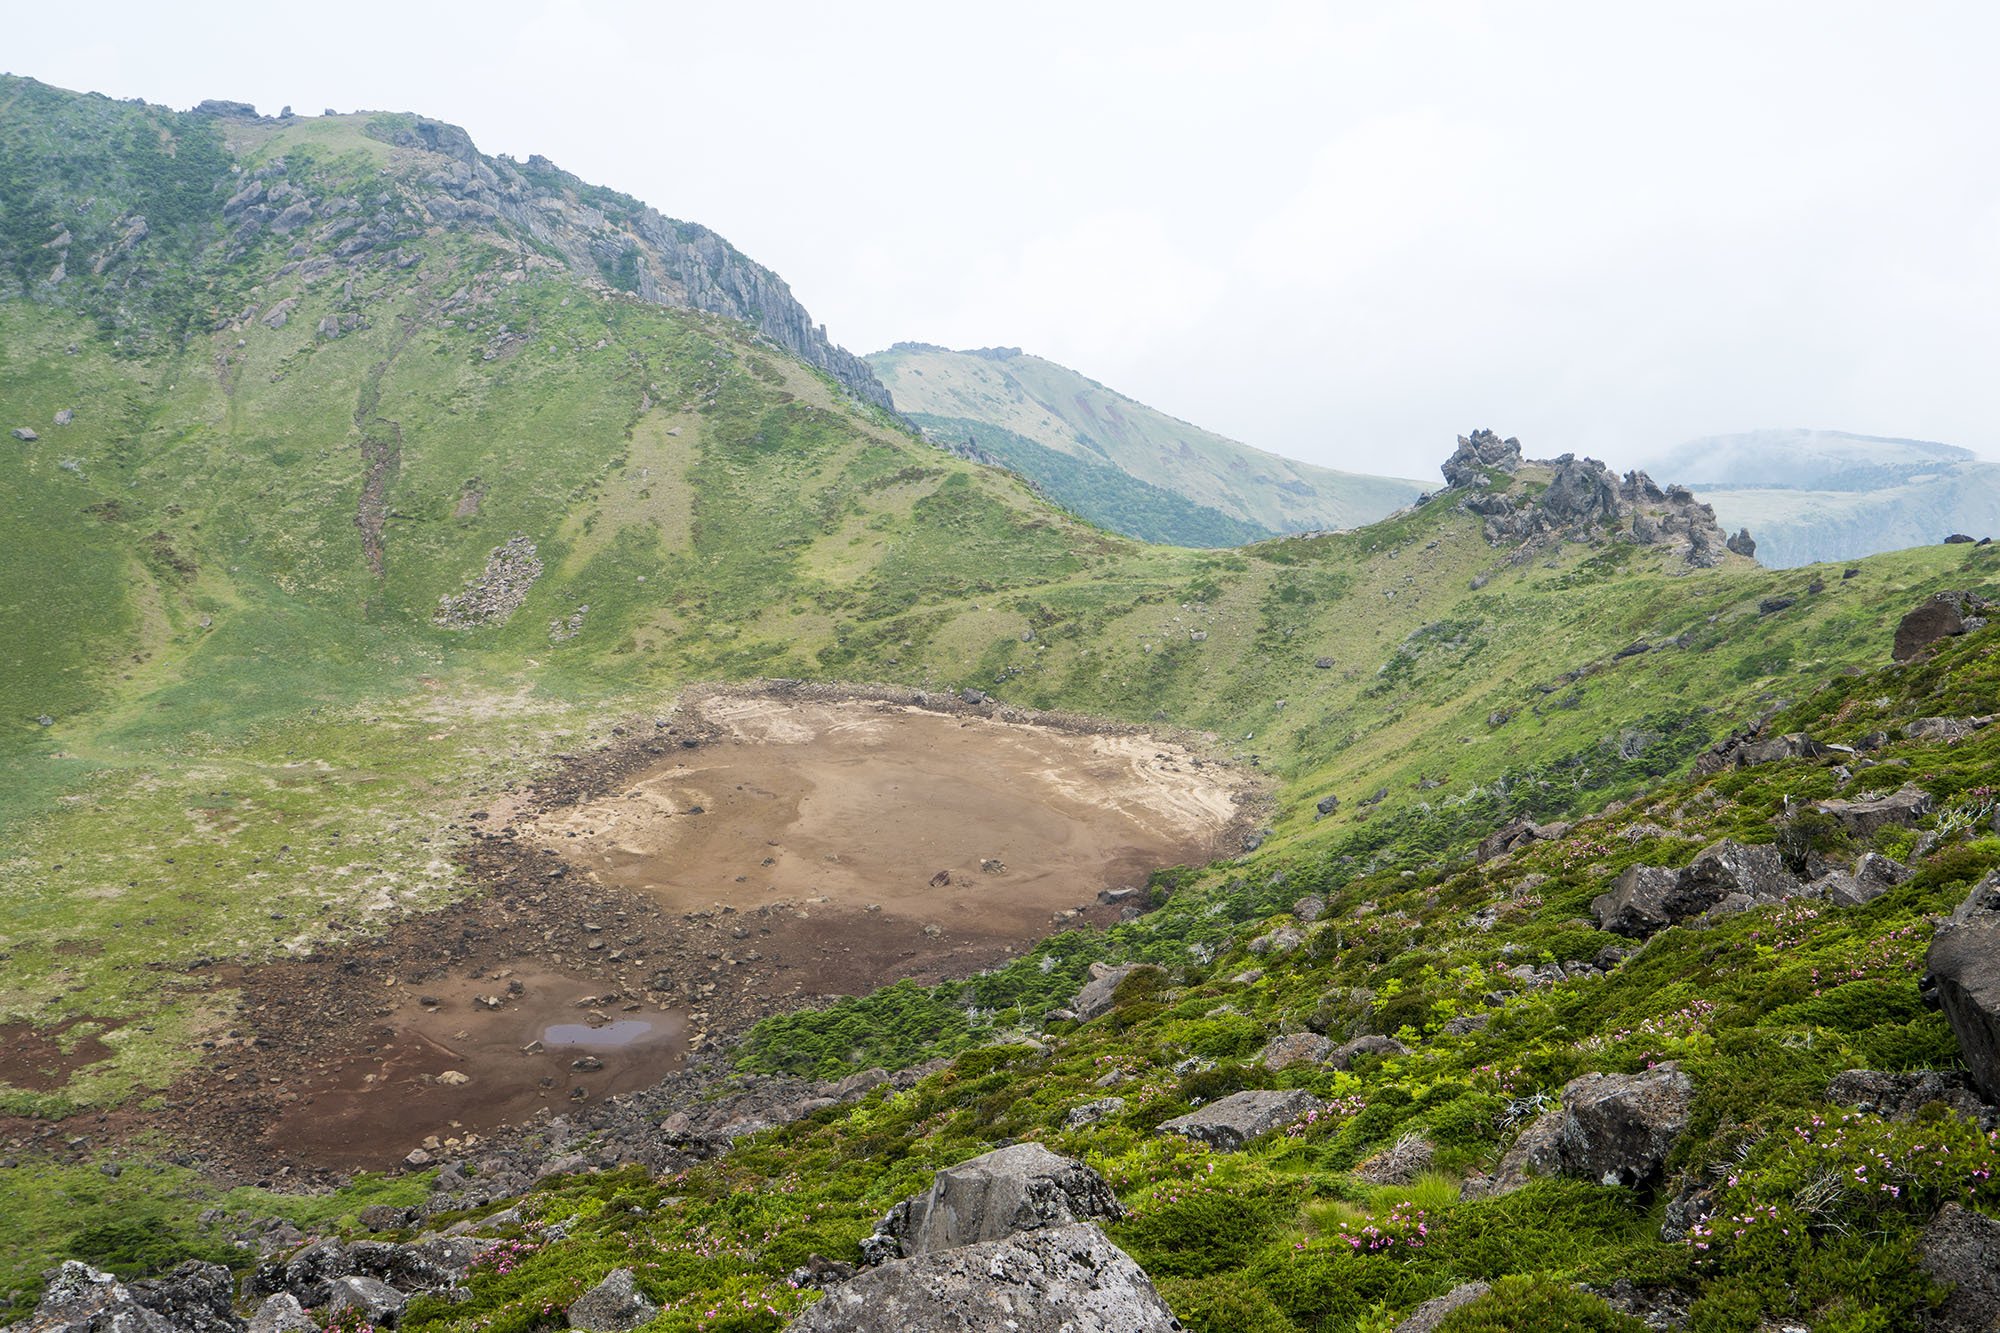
[1341, 232]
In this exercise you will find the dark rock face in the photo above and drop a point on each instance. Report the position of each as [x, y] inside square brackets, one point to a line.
[1744, 544]
[1645, 899]
[1964, 966]
[1872, 876]
[80, 1299]
[1019, 1188]
[1863, 819]
[1063, 1280]
[1234, 1120]
[1728, 876]
[1791, 745]
[1961, 1249]
[1902, 1095]
[195, 1297]
[1941, 617]
[1731, 867]
[612, 1306]
[1616, 1129]
[1519, 833]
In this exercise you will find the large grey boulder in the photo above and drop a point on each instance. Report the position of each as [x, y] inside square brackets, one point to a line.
[1644, 899]
[1961, 1249]
[1294, 1048]
[1232, 1121]
[1730, 867]
[1872, 876]
[375, 1301]
[282, 1314]
[1022, 1187]
[1903, 1094]
[612, 1306]
[195, 1298]
[1616, 1129]
[1373, 1043]
[1062, 1280]
[1864, 818]
[1964, 968]
[81, 1299]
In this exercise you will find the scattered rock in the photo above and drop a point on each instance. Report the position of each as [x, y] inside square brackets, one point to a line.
[613, 1305]
[376, 1301]
[1091, 1112]
[25, 434]
[497, 591]
[1279, 942]
[1326, 805]
[1064, 1280]
[1228, 1124]
[1294, 1048]
[282, 1313]
[1426, 1317]
[1947, 729]
[1514, 836]
[1864, 818]
[1616, 1129]
[1309, 909]
[1019, 1188]
[1342, 1056]
[65, 416]
[1770, 606]
[1902, 1095]
[1644, 899]
[83, 1298]
[383, 1217]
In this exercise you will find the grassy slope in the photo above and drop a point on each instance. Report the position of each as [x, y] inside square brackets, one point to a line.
[1061, 410]
[257, 740]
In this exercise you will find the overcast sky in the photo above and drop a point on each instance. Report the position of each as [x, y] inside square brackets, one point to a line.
[1345, 233]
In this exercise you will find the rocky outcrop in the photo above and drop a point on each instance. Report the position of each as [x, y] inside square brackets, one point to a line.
[612, 1306]
[1063, 1280]
[1728, 876]
[761, 1104]
[1616, 1129]
[497, 591]
[371, 1300]
[1903, 1095]
[1294, 1048]
[1228, 1124]
[1516, 835]
[1941, 617]
[1583, 501]
[1099, 994]
[1960, 1249]
[1868, 816]
[1019, 1188]
[1872, 876]
[1963, 967]
[81, 1299]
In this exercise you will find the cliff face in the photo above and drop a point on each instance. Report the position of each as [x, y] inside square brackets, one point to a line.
[616, 238]
[109, 205]
[1583, 500]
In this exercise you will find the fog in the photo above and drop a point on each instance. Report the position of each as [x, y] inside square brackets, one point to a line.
[1343, 233]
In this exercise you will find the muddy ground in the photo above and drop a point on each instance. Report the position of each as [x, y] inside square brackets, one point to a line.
[754, 852]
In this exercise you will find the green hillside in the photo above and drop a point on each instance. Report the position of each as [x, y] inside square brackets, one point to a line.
[355, 522]
[1030, 415]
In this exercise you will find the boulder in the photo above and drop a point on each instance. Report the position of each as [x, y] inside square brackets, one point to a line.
[1872, 876]
[1278, 942]
[282, 1313]
[1616, 1129]
[1770, 606]
[1426, 1317]
[1864, 818]
[612, 1306]
[26, 434]
[1963, 966]
[375, 1301]
[383, 1217]
[1294, 1048]
[1940, 617]
[1902, 1095]
[1022, 1187]
[82, 1299]
[1743, 543]
[1961, 1249]
[1091, 1112]
[1732, 867]
[1514, 836]
[1644, 899]
[1063, 1280]
[194, 1298]
[1342, 1056]
[1309, 909]
[1946, 729]
[1769, 750]
[1097, 996]
[1226, 1125]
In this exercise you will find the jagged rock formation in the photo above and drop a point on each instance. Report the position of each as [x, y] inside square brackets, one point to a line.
[1228, 1124]
[1583, 501]
[1964, 970]
[1616, 1129]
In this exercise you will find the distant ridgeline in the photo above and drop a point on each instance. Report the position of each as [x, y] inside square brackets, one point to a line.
[1116, 461]
[110, 208]
[1817, 495]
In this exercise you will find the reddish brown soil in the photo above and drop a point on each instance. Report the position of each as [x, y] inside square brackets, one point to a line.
[35, 1059]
